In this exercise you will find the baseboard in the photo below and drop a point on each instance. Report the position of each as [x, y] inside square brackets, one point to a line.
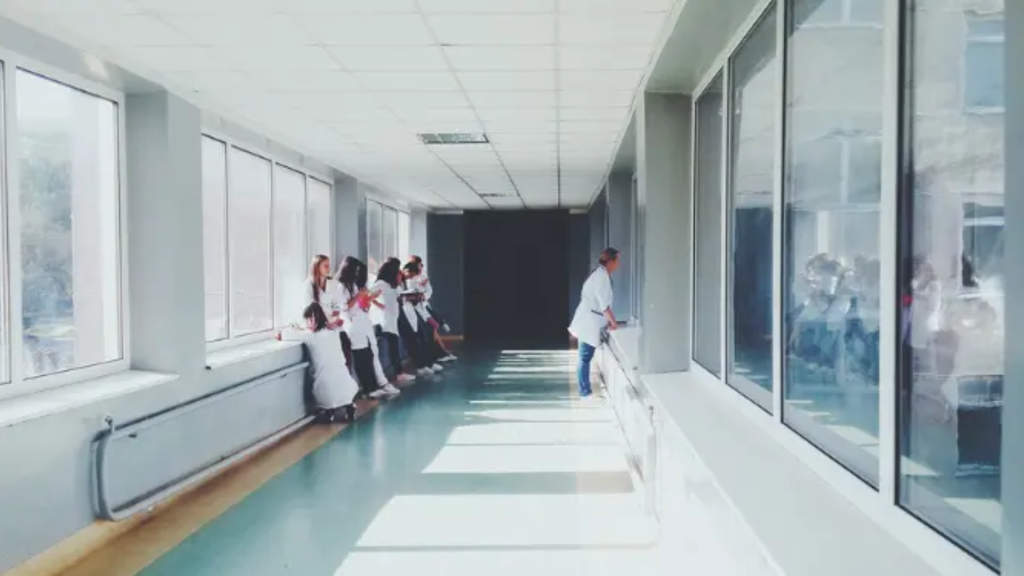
[78, 553]
[453, 338]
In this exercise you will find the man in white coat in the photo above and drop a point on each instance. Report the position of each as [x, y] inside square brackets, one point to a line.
[594, 315]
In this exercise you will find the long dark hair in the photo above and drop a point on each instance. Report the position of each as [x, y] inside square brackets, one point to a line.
[353, 274]
[314, 276]
[389, 272]
[316, 313]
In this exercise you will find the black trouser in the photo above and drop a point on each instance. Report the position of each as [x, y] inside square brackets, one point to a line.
[394, 352]
[419, 351]
[346, 347]
[428, 335]
[365, 374]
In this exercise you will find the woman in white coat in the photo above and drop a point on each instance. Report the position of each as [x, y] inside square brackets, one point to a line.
[356, 301]
[333, 387]
[321, 289]
[594, 315]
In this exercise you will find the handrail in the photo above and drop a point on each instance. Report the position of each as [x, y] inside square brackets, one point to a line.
[161, 493]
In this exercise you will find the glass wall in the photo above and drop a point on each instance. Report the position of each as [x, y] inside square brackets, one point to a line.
[707, 288]
[374, 236]
[390, 229]
[290, 259]
[754, 96]
[249, 213]
[834, 89]
[951, 379]
[404, 231]
[387, 234]
[69, 217]
[319, 218]
[215, 236]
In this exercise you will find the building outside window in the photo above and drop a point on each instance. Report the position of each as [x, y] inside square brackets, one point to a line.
[215, 236]
[319, 218]
[290, 259]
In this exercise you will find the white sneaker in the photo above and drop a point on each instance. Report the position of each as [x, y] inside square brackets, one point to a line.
[448, 358]
[437, 367]
[390, 390]
[378, 393]
[425, 372]
[405, 378]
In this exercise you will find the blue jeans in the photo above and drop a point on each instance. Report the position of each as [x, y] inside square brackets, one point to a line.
[583, 372]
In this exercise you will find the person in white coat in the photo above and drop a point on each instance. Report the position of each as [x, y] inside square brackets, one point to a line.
[334, 389]
[388, 310]
[356, 301]
[427, 312]
[594, 315]
[321, 289]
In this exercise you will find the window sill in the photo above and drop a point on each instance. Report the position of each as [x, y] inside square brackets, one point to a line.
[45, 403]
[243, 352]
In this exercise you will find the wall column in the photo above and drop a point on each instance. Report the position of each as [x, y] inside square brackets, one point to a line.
[665, 189]
[620, 236]
[1013, 399]
[349, 215]
[165, 211]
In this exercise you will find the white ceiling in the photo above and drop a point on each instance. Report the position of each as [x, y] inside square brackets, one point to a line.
[551, 82]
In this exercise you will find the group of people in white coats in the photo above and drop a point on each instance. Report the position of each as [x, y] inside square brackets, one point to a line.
[355, 333]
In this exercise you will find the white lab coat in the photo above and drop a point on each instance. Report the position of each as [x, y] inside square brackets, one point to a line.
[388, 317]
[359, 328]
[597, 296]
[408, 308]
[333, 385]
[328, 297]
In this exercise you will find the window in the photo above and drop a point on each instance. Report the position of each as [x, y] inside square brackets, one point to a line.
[837, 13]
[215, 212]
[952, 343]
[319, 218]
[636, 265]
[984, 50]
[290, 258]
[374, 236]
[249, 210]
[707, 328]
[390, 229]
[831, 249]
[404, 231]
[754, 97]
[69, 227]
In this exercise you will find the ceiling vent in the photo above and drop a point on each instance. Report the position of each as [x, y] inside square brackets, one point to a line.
[443, 139]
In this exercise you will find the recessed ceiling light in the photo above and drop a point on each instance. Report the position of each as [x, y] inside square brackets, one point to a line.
[453, 138]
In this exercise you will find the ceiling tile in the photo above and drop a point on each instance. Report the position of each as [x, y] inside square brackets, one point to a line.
[353, 115]
[517, 139]
[576, 127]
[495, 58]
[209, 7]
[513, 99]
[239, 30]
[128, 31]
[287, 80]
[487, 7]
[350, 6]
[508, 81]
[439, 115]
[610, 29]
[319, 101]
[368, 30]
[599, 79]
[409, 81]
[596, 98]
[604, 57]
[390, 59]
[549, 114]
[181, 58]
[398, 100]
[594, 114]
[592, 6]
[65, 7]
[277, 57]
[511, 126]
[213, 81]
[463, 30]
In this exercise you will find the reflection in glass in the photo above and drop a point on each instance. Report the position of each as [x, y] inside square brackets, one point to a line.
[707, 343]
[374, 236]
[69, 211]
[834, 88]
[951, 381]
[215, 241]
[290, 261]
[754, 99]
[403, 236]
[319, 220]
[249, 211]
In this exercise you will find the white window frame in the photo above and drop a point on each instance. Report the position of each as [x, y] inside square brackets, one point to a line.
[881, 505]
[232, 341]
[14, 381]
[971, 39]
[385, 205]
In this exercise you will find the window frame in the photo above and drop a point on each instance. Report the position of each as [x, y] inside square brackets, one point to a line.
[386, 205]
[881, 505]
[14, 383]
[232, 341]
[978, 39]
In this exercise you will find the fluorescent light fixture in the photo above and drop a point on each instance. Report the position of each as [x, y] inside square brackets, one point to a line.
[441, 139]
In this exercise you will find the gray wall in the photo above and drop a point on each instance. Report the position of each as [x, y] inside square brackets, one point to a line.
[349, 219]
[620, 236]
[445, 266]
[579, 256]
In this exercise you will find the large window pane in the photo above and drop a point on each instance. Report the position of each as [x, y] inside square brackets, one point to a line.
[319, 206]
[215, 237]
[754, 95]
[404, 230]
[374, 235]
[951, 376]
[834, 87]
[707, 324]
[249, 236]
[390, 234]
[290, 261]
[70, 262]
